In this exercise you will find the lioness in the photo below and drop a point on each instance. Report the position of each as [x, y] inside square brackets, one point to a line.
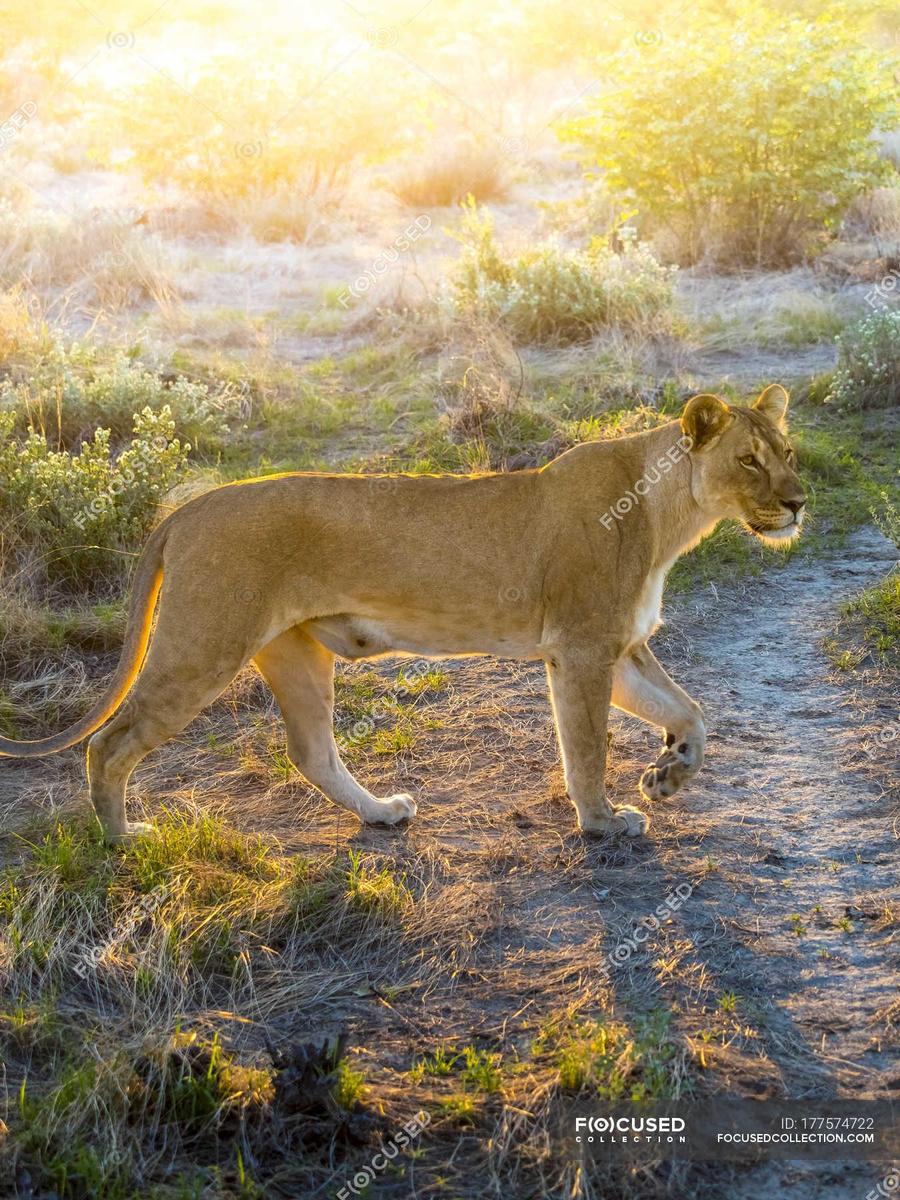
[564, 564]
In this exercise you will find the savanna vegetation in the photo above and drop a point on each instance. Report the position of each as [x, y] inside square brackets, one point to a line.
[234, 243]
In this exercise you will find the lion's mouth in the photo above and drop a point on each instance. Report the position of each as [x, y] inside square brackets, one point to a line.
[776, 533]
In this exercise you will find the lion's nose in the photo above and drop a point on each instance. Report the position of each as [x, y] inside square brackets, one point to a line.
[794, 505]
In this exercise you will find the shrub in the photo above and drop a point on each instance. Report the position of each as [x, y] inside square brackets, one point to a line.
[553, 295]
[868, 370]
[85, 513]
[234, 140]
[69, 392]
[750, 138]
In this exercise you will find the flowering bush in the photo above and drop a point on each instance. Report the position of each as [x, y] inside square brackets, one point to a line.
[554, 295]
[83, 514]
[868, 370]
[69, 392]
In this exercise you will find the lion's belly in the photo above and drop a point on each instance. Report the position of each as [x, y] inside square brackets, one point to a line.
[648, 614]
[352, 637]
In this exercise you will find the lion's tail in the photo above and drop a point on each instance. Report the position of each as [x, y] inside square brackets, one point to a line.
[144, 591]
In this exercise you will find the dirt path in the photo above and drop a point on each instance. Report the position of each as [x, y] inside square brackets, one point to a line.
[803, 852]
[806, 838]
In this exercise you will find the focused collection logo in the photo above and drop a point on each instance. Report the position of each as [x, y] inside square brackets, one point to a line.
[613, 1130]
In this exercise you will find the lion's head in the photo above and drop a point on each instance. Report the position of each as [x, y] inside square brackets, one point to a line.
[743, 465]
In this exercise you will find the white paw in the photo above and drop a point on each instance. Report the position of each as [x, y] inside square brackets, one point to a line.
[625, 820]
[133, 829]
[399, 807]
[635, 822]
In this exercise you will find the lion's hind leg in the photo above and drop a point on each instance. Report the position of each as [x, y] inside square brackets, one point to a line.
[300, 671]
[187, 667]
[642, 687]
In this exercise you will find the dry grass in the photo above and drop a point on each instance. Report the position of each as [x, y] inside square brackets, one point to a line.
[197, 934]
[102, 262]
[280, 213]
[877, 214]
[792, 308]
[272, 945]
[451, 170]
[210, 957]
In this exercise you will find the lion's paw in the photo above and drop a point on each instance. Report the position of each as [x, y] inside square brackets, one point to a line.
[625, 820]
[676, 765]
[397, 808]
[132, 831]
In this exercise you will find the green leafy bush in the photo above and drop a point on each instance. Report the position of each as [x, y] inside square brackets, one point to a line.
[554, 295]
[82, 514]
[747, 137]
[70, 392]
[868, 370]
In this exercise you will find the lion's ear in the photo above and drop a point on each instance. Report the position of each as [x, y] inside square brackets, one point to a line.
[705, 417]
[773, 403]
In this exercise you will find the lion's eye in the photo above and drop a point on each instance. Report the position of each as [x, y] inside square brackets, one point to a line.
[747, 460]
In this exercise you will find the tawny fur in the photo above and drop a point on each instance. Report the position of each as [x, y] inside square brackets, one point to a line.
[291, 571]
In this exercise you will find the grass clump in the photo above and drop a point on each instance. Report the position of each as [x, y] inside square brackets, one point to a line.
[374, 890]
[641, 1064]
[871, 623]
[460, 1108]
[474, 1075]
[181, 841]
[481, 1071]
[439, 1064]
[449, 173]
[868, 370]
[178, 912]
[104, 261]
[97, 1129]
[349, 1086]
[557, 296]
[478, 1071]
[199, 1078]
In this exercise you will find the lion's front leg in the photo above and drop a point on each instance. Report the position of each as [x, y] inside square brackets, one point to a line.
[580, 690]
[642, 687]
